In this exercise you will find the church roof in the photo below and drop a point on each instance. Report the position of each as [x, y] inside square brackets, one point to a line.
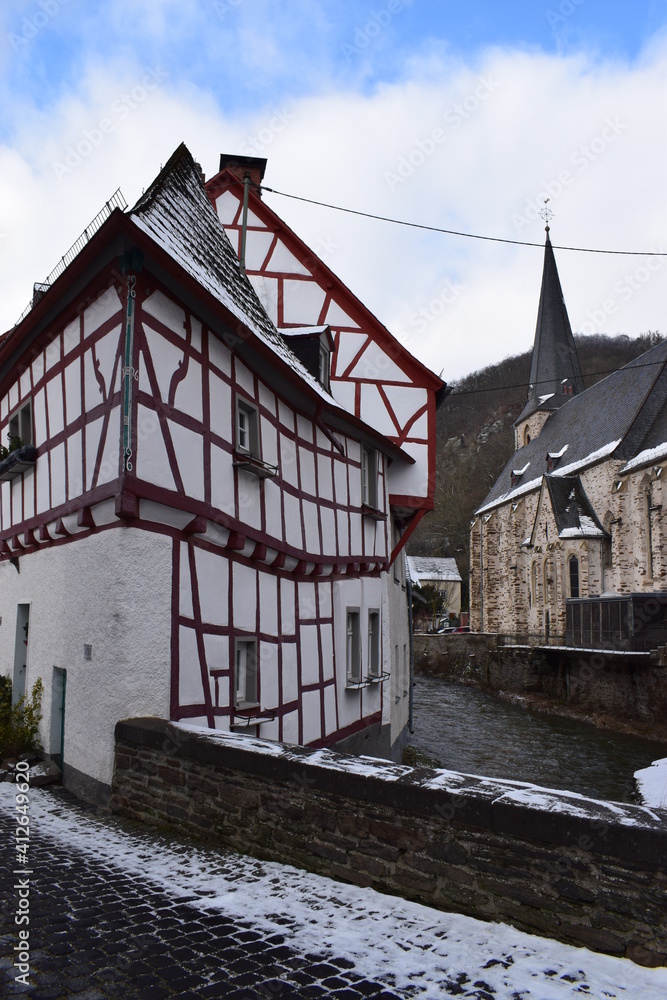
[574, 515]
[555, 360]
[621, 417]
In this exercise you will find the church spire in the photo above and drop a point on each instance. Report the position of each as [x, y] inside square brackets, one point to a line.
[555, 373]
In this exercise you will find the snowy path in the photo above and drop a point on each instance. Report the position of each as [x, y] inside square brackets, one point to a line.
[412, 950]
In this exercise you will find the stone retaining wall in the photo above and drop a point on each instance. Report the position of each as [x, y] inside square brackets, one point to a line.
[552, 863]
[631, 688]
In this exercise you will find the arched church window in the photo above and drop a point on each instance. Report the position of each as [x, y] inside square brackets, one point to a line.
[573, 567]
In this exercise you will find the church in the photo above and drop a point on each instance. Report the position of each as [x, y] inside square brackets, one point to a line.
[568, 547]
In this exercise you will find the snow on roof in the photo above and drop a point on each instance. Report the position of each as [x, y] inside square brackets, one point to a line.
[548, 395]
[587, 529]
[303, 331]
[528, 487]
[424, 569]
[177, 214]
[594, 456]
[558, 454]
[644, 457]
[520, 472]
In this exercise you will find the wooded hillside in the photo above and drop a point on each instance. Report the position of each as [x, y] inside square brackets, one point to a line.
[475, 438]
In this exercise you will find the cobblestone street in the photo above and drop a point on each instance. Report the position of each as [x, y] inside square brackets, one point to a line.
[96, 932]
[117, 910]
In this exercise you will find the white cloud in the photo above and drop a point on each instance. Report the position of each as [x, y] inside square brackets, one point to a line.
[466, 147]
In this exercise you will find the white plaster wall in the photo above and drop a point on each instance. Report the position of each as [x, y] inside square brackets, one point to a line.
[94, 591]
[395, 633]
[364, 594]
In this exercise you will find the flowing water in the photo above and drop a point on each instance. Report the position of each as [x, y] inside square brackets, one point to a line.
[468, 730]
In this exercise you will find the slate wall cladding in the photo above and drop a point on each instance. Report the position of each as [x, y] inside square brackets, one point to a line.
[584, 872]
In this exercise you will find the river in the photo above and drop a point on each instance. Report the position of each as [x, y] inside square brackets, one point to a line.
[467, 730]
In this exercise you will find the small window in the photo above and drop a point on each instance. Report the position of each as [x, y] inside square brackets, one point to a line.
[374, 643]
[325, 358]
[353, 647]
[20, 427]
[574, 576]
[247, 428]
[245, 673]
[369, 477]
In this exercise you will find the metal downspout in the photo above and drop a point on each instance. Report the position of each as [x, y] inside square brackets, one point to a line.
[412, 654]
[244, 218]
[129, 373]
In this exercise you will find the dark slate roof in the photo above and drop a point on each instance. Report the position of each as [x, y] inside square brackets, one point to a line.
[554, 352]
[176, 213]
[620, 417]
[572, 509]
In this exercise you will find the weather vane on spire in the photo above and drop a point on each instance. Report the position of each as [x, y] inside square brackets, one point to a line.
[546, 214]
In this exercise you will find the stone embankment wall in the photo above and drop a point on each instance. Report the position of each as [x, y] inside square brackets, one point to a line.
[631, 687]
[552, 863]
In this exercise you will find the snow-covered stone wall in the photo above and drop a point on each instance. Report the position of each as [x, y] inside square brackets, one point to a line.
[554, 863]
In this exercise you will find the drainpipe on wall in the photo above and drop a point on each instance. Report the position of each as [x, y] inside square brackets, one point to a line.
[481, 573]
[244, 219]
[412, 653]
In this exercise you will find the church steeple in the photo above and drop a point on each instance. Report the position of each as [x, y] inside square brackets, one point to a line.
[555, 373]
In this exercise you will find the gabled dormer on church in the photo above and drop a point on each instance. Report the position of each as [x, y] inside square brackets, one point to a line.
[555, 373]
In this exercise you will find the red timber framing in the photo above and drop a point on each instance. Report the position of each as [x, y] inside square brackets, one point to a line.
[255, 557]
[372, 374]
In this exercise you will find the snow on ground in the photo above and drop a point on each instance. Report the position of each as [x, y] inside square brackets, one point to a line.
[411, 948]
[652, 784]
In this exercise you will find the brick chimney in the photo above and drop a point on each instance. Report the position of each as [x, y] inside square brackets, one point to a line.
[239, 165]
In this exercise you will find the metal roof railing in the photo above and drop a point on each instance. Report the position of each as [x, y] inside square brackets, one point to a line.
[41, 287]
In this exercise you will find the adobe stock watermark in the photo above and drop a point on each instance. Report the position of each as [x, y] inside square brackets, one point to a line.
[223, 7]
[424, 148]
[120, 109]
[377, 22]
[564, 10]
[422, 318]
[22, 872]
[624, 289]
[581, 158]
[253, 145]
[32, 25]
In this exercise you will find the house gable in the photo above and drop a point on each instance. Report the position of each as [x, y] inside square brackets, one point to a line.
[372, 375]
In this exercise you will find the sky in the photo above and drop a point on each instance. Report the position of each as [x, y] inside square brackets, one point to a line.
[409, 948]
[455, 114]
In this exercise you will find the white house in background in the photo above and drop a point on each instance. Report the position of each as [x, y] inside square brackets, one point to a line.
[204, 517]
[439, 572]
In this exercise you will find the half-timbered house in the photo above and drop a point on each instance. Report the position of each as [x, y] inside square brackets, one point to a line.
[200, 517]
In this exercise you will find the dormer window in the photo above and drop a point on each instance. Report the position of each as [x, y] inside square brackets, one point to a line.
[313, 346]
[567, 387]
[518, 473]
[553, 458]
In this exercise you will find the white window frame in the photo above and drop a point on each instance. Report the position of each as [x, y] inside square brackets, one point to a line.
[325, 365]
[353, 645]
[369, 477]
[247, 428]
[20, 424]
[374, 643]
[246, 674]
